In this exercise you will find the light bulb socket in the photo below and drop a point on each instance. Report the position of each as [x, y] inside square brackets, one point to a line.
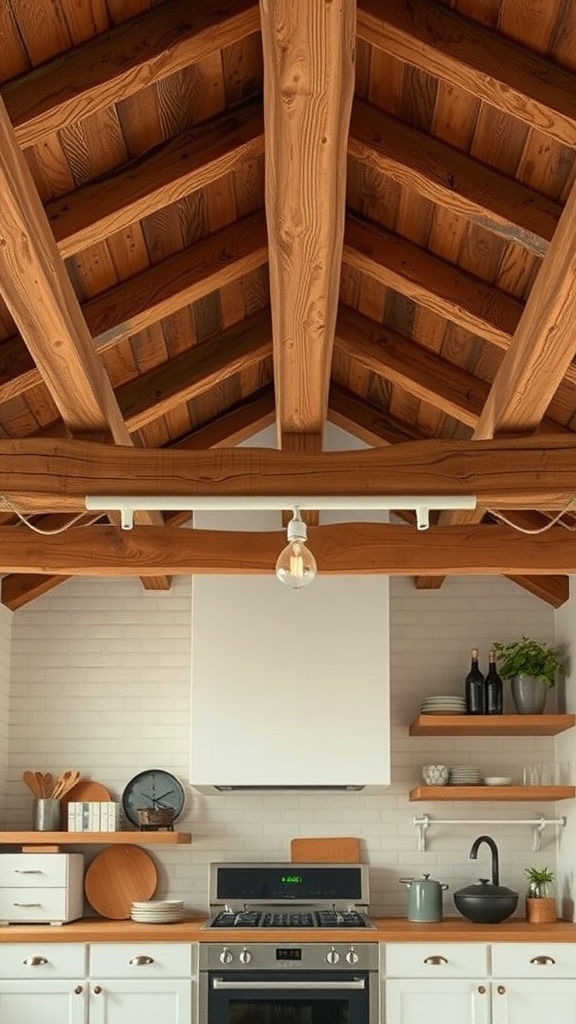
[296, 529]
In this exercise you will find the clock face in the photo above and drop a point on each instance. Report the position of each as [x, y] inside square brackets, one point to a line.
[152, 788]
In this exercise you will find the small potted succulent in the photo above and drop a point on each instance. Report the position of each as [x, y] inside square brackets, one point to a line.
[540, 897]
[531, 666]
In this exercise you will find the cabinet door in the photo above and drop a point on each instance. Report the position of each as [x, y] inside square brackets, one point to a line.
[162, 1001]
[532, 1002]
[44, 1002]
[414, 1000]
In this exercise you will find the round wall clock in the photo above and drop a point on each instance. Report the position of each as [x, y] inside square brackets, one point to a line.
[153, 789]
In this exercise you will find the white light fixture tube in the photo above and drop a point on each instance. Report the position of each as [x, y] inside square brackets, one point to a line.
[420, 504]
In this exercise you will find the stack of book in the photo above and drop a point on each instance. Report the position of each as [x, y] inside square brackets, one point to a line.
[92, 816]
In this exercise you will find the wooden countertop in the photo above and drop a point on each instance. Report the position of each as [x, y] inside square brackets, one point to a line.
[388, 929]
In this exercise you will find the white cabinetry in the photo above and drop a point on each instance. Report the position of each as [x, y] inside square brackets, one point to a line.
[41, 887]
[437, 983]
[506, 983]
[534, 982]
[144, 982]
[43, 982]
[108, 983]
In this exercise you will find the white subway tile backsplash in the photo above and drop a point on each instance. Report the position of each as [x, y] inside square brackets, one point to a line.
[98, 679]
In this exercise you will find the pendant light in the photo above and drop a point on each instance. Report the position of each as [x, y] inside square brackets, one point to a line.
[296, 565]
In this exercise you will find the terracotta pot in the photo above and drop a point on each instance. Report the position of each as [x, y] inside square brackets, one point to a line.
[541, 911]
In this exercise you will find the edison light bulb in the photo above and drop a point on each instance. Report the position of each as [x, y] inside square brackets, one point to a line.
[296, 565]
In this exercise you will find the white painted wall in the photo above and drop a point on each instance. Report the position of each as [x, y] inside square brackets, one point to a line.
[566, 752]
[100, 681]
[6, 618]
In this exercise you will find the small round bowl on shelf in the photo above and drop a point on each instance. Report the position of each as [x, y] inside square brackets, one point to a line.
[497, 780]
[435, 774]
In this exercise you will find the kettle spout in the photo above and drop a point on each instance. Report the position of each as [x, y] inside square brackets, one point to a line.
[494, 849]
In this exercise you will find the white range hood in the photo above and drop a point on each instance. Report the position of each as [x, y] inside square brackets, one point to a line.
[290, 689]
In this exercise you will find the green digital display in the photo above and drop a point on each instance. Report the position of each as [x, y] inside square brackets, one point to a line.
[292, 879]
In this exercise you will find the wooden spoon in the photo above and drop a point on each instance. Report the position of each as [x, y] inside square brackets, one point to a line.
[30, 780]
[64, 782]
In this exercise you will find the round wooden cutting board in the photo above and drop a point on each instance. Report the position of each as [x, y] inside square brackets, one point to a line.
[87, 790]
[118, 876]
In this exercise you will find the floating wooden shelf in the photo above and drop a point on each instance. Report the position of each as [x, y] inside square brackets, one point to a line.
[494, 793]
[491, 725]
[102, 838]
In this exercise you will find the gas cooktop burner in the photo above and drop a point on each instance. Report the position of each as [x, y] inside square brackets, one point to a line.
[289, 919]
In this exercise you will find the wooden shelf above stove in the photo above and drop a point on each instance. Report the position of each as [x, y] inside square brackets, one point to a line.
[491, 725]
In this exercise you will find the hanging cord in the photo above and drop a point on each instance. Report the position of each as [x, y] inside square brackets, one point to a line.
[7, 504]
[541, 529]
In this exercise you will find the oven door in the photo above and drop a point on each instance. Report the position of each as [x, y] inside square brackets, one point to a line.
[275, 997]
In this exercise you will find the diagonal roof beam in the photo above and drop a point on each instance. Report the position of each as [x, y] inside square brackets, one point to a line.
[494, 69]
[42, 302]
[119, 63]
[308, 86]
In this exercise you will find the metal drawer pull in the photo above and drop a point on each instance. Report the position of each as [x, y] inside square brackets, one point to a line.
[542, 961]
[141, 961]
[35, 961]
[287, 983]
[435, 960]
[97, 990]
[27, 871]
[78, 990]
[26, 904]
[482, 990]
[501, 990]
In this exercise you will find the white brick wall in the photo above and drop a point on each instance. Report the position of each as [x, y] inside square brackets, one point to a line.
[6, 618]
[100, 682]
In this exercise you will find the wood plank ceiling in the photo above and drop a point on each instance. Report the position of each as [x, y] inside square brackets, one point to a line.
[219, 216]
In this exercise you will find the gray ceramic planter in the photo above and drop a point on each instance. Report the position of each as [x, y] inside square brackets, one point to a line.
[529, 695]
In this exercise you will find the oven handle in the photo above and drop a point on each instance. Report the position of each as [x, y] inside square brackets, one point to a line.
[355, 983]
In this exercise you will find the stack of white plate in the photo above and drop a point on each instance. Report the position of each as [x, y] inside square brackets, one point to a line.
[157, 911]
[465, 775]
[447, 705]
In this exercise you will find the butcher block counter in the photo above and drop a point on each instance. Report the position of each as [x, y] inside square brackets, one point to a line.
[388, 929]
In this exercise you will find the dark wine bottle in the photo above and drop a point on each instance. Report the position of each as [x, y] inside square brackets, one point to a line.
[474, 686]
[493, 688]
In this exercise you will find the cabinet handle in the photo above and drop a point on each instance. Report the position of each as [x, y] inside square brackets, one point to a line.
[482, 990]
[27, 871]
[435, 960]
[26, 904]
[35, 961]
[501, 990]
[78, 990]
[542, 961]
[141, 961]
[97, 990]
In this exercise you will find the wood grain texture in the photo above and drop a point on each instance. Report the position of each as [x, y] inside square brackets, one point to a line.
[337, 849]
[116, 877]
[494, 794]
[308, 87]
[491, 725]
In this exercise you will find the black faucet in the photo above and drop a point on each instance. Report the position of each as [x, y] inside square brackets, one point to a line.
[494, 848]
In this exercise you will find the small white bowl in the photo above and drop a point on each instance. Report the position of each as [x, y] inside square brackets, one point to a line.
[497, 780]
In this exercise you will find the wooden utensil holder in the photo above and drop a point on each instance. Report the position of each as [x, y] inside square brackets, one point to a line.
[541, 911]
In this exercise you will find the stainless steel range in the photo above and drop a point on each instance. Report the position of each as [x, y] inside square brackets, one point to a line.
[289, 895]
[319, 980]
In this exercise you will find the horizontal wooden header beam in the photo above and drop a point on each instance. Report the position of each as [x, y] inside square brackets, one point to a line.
[339, 549]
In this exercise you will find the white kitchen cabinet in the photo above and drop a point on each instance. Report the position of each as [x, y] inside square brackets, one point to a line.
[437, 1001]
[43, 982]
[524, 1001]
[144, 982]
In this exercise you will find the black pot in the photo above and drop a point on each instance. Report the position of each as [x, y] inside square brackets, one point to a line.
[485, 903]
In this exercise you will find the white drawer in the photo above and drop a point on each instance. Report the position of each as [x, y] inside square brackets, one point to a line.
[141, 959]
[436, 960]
[533, 960]
[39, 960]
[39, 869]
[38, 906]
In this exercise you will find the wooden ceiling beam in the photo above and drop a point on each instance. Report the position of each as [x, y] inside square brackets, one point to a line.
[235, 425]
[397, 550]
[168, 173]
[474, 58]
[55, 475]
[309, 54]
[119, 63]
[43, 304]
[192, 373]
[452, 179]
[155, 293]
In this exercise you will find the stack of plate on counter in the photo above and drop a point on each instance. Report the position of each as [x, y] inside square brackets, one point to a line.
[465, 775]
[447, 705]
[157, 911]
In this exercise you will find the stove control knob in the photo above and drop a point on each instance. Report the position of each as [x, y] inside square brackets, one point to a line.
[245, 956]
[226, 957]
[352, 956]
[332, 956]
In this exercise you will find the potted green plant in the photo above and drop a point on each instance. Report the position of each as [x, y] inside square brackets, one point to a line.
[531, 666]
[540, 897]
